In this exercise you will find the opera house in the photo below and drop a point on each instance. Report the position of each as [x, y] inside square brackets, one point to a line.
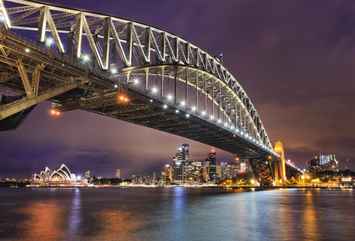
[59, 177]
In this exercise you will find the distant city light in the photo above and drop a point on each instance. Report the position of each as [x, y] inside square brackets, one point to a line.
[27, 50]
[165, 106]
[177, 111]
[211, 117]
[203, 113]
[219, 120]
[182, 103]
[115, 86]
[187, 115]
[193, 108]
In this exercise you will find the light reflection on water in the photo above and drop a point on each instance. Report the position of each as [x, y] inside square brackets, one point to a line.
[175, 214]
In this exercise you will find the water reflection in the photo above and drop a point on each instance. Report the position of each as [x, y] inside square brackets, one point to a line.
[44, 221]
[175, 214]
[116, 225]
[310, 218]
[75, 213]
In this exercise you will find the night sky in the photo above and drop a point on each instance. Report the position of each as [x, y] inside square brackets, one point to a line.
[295, 59]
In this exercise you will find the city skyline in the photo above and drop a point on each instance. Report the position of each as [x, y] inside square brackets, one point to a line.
[311, 91]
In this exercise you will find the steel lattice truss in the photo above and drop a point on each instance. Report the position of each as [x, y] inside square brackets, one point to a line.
[173, 70]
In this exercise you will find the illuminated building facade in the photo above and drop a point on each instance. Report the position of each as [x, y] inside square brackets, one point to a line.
[212, 162]
[323, 163]
[60, 176]
[181, 157]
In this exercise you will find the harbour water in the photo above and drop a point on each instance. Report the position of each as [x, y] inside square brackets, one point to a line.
[175, 214]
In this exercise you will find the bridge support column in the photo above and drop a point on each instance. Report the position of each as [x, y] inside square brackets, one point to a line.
[279, 149]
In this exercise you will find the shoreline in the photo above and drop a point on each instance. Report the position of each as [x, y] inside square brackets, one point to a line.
[254, 188]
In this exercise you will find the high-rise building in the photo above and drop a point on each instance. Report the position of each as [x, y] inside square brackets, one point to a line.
[87, 174]
[243, 166]
[192, 172]
[229, 170]
[181, 157]
[183, 152]
[118, 173]
[323, 163]
[212, 162]
[205, 172]
[167, 174]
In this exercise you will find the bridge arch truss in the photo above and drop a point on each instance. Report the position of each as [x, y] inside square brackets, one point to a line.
[167, 67]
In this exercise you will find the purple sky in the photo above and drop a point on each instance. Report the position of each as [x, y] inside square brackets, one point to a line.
[294, 58]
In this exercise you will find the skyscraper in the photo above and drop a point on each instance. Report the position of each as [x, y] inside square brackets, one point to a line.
[212, 165]
[181, 157]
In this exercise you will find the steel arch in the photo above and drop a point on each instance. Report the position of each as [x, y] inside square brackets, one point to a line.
[128, 47]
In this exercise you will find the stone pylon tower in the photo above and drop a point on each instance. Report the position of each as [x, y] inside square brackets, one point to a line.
[281, 167]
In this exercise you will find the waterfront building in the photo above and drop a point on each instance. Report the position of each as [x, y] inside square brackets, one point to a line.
[118, 173]
[192, 172]
[167, 174]
[323, 163]
[205, 172]
[60, 176]
[243, 167]
[87, 174]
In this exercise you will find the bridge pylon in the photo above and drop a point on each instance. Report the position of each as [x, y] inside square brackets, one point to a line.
[280, 165]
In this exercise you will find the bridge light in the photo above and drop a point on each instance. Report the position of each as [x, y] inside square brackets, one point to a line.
[54, 112]
[49, 42]
[136, 81]
[183, 103]
[169, 97]
[114, 71]
[154, 90]
[122, 98]
[27, 50]
[193, 108]
[85, 58]
[165, 106]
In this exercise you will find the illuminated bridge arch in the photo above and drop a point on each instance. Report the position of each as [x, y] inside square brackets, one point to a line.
[114, 53]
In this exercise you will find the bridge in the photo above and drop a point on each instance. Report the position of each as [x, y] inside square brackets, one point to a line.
[125, 70]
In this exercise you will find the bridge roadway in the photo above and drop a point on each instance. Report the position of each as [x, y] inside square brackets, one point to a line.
[125, 70]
